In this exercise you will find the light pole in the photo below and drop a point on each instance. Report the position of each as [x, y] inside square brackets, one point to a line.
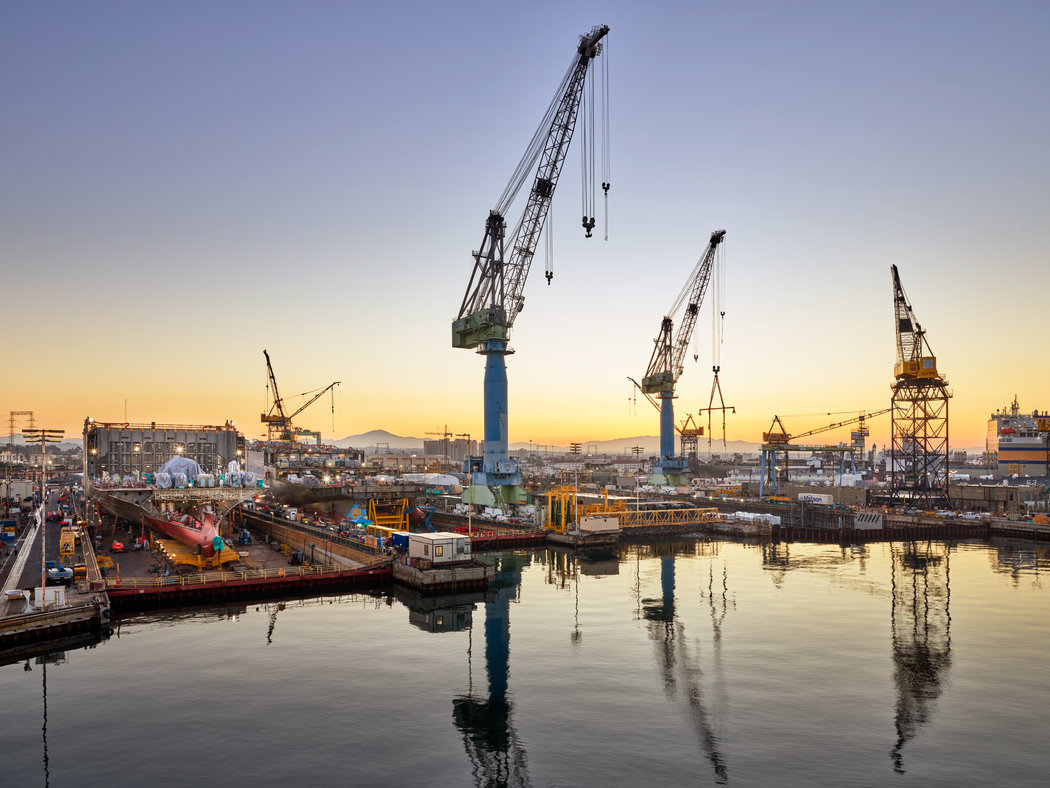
[470, 488]
[43, 437]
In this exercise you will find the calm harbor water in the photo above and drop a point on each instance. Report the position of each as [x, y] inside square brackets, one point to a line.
[696, 662]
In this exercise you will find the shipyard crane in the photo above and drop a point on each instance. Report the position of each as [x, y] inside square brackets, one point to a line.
[668, 359]
[781, 437]
[777, 439]
[919, 414]
[494, 294]
[278, 423]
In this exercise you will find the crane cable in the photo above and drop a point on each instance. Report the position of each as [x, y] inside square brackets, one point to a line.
[548, 247]
[535, 148]
[718, 316]
[587, 152]
[606, 160]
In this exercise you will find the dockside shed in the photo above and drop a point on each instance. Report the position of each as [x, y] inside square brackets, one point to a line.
[441, 547]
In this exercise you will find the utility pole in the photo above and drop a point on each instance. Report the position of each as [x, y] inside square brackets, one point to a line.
[43, 437]
[470, 482]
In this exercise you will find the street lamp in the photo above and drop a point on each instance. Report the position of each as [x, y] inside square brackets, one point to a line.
[470, 487]
[43, 437]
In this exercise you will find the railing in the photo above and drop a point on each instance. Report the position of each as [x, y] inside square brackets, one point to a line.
[321, 533]
[667, 517]
[115, 583]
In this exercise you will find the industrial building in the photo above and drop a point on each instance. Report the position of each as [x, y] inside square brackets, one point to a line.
[129, 449]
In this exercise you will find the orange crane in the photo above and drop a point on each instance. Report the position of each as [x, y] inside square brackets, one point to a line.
[919, 420]
[778, 439]
[781, 436]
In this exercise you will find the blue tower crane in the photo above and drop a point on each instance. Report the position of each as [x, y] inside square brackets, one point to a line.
[494, 295]
[668, 360]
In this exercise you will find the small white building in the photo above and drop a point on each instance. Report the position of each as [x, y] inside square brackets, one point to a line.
[441, 547]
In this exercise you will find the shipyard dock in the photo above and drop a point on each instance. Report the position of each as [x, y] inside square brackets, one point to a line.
[279, 558]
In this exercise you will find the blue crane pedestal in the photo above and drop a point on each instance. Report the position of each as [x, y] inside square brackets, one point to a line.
[668, 470]
[499, 481]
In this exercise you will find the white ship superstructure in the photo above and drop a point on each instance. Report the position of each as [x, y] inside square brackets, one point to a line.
[1020, 439]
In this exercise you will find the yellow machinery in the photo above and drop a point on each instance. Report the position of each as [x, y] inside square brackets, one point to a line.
[563, 511]
[66, 546]
[561, 508]
[392, 516]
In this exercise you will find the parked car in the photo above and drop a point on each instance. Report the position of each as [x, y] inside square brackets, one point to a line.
[117, 547]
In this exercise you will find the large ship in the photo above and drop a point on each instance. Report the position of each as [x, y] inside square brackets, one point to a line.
[1020, 440]
[124, 475]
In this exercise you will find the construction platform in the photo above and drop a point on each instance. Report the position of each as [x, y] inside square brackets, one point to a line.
[452, 578]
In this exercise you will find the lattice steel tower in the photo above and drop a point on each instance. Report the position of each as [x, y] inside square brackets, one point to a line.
[919, 412]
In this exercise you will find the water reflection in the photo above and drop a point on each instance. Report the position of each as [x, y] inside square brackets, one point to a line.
[920, 618]
[492, 744]
[1021, 561]
[440, 613]
[679, 662]
[43, 660]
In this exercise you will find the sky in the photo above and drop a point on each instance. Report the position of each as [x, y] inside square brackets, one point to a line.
[186, 184]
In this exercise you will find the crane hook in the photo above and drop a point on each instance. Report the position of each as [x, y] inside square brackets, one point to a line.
[588, 225]
[605, 187]
[549, 275]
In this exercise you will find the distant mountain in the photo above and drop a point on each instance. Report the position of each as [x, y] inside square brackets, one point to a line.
[650, 445]
[373, 438]
[18, 440]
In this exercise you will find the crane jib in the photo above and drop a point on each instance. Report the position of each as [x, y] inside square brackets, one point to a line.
[494, 294]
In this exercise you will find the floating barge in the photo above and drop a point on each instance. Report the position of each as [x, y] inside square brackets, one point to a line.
[441, 562]
[138, 593]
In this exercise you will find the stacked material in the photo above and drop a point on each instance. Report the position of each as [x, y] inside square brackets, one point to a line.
[753, 517]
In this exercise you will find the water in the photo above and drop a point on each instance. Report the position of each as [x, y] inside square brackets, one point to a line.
[688, 663]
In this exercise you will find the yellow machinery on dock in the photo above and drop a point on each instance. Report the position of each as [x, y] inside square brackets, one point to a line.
[179, 553]
[388, 517]
[563, 511]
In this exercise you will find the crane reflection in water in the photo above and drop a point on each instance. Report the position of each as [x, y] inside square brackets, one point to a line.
[496, 753]
[921, 628]
[679, 660]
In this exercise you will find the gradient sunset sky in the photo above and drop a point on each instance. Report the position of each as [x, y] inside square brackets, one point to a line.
[187, 183]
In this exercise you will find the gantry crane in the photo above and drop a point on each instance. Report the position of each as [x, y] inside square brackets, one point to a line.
[494, 294]
[919, 413]
[668, 361]
[278, 423]
[777, 440]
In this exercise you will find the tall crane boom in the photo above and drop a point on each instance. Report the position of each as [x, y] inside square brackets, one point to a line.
[278, 423]
[495, 292]
[911, 339]
[494, 295]
[919, 407]
[271, 418]
[668, 359]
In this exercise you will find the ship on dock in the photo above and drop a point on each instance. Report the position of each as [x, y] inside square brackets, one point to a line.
[1020, 440]
[154, 475]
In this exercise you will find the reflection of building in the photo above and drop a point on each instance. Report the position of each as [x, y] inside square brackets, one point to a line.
[129, 448]
[442, 613]
[920, 619]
